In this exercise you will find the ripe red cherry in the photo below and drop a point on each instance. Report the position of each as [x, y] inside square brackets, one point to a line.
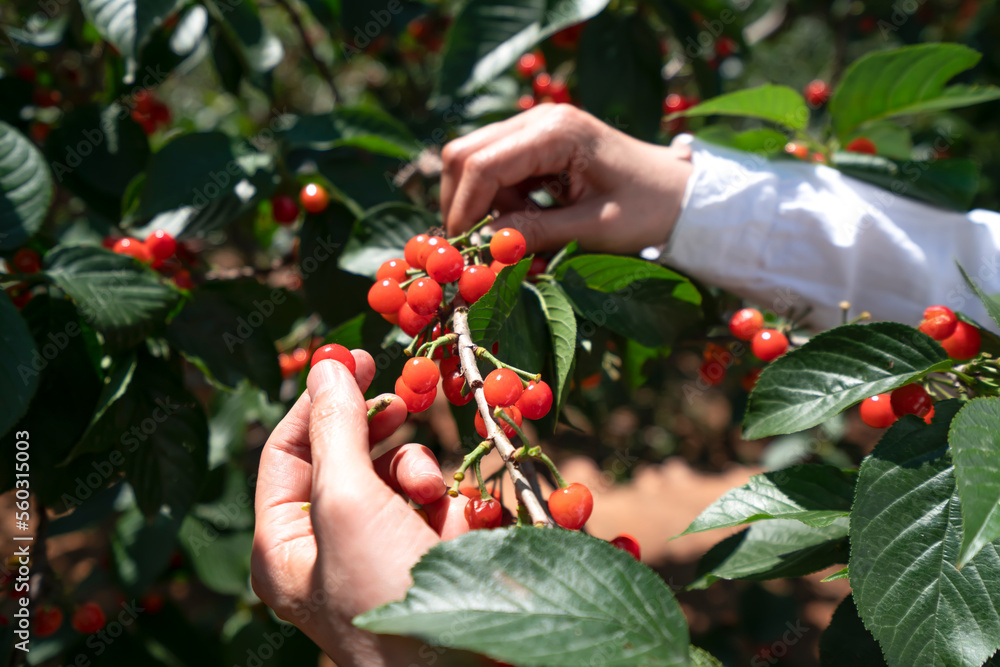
[421, 375]
[336, 353]
[877, 412]
[911, 399]
[530, 63]
[410, 322]
[161, 245]
[964, 343]
[502, 387]
[939, 322]
[712, 373]
[314, 198]
[284, 210]
[476, 280]
[293, 363]
[133, 248]
[183, 279]
[414, 402]
[508, 246]
[817, 92]
[535, 401]
[769, 344]
[538, 266]
[386, 296]
[862, 145]
[507, 429]
[542, 85]
[559, 92]
[445, 264]
[452, 382]
[411, 251]
[88, 618]
[801, 151]
[571, 507]
[27, 260]
[525, 102]
[627, 543]
[745, 323]
[424, 296]
[749, 381]
[430, 245]
[496, 267]
[481, 513]
[394, 268]
[48, 620]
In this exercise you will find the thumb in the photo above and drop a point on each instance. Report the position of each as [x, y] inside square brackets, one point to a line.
[338, 426]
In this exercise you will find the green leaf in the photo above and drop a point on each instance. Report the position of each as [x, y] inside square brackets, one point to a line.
[539, 597]
[362, 127]
[381, 234]
[143, 548]
[835, 370]
[774, 549]
[559, 315]
[846, 642]
[948, 183]
[222, 330]
[128, 24]
[25, 188]
[816, 495]
[487, 315]
[906, 534]
[904, 81]
[523, 336]
[843, 573]
[261, 49]
[635, 298]
[974, 439]
[777, 104]
[17, 349]
[221, 561]
[120, 298]
[636, 359]
[990, 303]
[488, 36]
[618, 70]
[114, 387]
[702, 658]
[761, 140]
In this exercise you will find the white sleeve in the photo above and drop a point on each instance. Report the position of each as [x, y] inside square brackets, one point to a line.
[786, 235]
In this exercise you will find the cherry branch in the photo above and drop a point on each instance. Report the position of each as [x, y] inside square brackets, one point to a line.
[526, 495]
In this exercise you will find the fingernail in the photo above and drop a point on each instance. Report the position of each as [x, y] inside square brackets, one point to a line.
[427, 487]
[322, 376]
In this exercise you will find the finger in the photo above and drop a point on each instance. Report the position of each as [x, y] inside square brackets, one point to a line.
[412, 469]
[447, 516]
[365, 371]
[553, 228]
[388, 420]
[285, 473]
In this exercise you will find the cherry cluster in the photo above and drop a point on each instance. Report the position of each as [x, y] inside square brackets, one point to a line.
[766, 343]
[160, 250]
[150, 112]
[544, 88]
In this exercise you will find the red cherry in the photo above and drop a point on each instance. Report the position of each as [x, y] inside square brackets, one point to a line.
[876, 411]
[336, 353]
[314, 198]
[939, 322]
[20, 295]
[133, 248]
[769, 344]
[559, 92]
[26, 72]
[424, 296]
[386, 296]
[502, 387]
[507, 429]
[712, 373]
[152, 602]
[452, 382]
[542, 85]
[911, 399]
[496, 267]
[749, 381]
[88, 618]
[414, 402]
[395, 269]
[508, 246]
[161, 245]
[430, 245]
[817, 92]
[445, 264]
[476, 280]
[862, 145]
[284, 210]
[411, 251]
[525, 102]
[627, 543]
[538, 266]
[421, 375]
[964, 343]
[568, 38]
[571, 507]
[674, 103]
[48, 620]
[745, 323]
[27, 260]
[535, 401]
[530, 63]
[801, 151]
[481, 513]
[183, 279]
[160, 115]
[410, 322]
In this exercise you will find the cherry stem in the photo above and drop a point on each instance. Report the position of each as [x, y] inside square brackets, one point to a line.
[501, 413]
[427, 349]
[483, 495]
[522, 516]
[537, 453]
[463, 238]
[381, 403]
[526, 377]
[472, 457]
[417, 276]
[411, 348]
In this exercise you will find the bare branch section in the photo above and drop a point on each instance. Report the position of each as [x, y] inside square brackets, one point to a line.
[524, 489]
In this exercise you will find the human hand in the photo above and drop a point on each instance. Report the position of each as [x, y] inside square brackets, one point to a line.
[353, 550]
[619, 194]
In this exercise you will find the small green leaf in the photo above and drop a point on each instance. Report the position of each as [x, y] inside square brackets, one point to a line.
[904, 81]
[816, 495]
[128, 24]
[539, 597]
[777, 104]
[947, 183]
[120, 298]
[381, 234]
[761, 140]
[990, 303]
[114, 387]
[702, 658]
[974, 439]
[363, 127]
[562, 327]
[25, 188]
[487, 315]
[843, 573]
[835, 370]
[17, 350]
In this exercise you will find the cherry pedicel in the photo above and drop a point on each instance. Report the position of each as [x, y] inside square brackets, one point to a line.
[571, 507]
[508, 246]
[476, 280]
[336, 353]
[745, 323]
[535, 401]
[386, 296]
[877, 412]
[508, 430]
[88, 618]
[314, 198]
[395, 269]
[502, 387]
[769, 344]
[627, 543]
[911, 399]
[414, 402]
[424, 296]
[939, 322]
[480, 513]
[420, 375]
